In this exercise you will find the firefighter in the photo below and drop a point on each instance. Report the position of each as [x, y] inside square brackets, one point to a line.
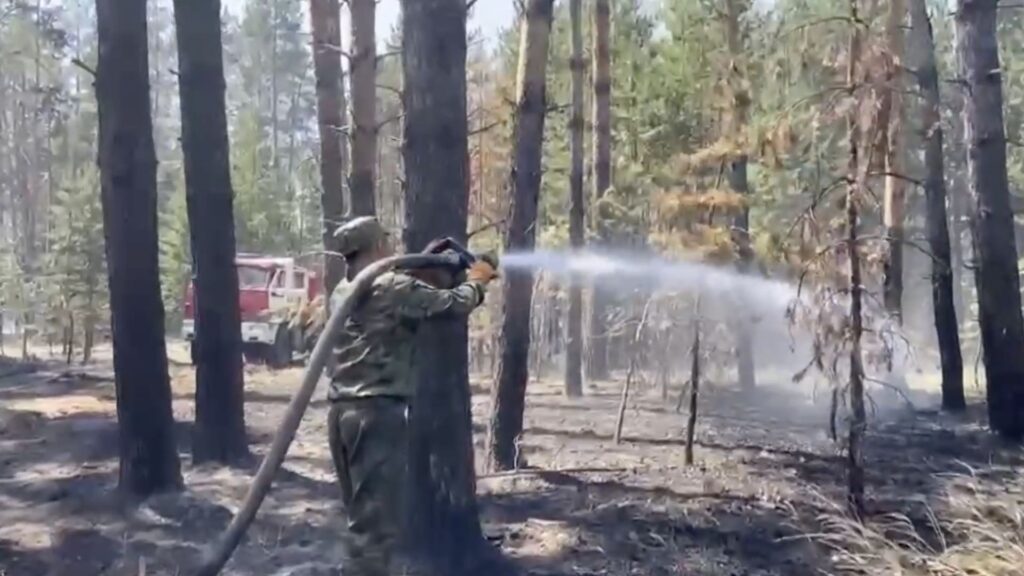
[371, 388]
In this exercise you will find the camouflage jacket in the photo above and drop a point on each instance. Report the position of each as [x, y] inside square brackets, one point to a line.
[374, 353]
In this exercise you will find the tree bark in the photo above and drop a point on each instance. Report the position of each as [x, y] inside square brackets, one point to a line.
[364, 107]
[895, 178]
[443, 524]
[219, 432]
[960, 226]
[577, 209]
[597, 361]
[509, 395]
[330, 105]
[738, 182]
[858, 416]
[127, 160]
[943, 302]
[996, 273]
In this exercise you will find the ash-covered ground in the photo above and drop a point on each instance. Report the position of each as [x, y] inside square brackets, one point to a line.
[765, 471]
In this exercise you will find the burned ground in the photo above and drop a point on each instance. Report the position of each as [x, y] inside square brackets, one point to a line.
[765, 474]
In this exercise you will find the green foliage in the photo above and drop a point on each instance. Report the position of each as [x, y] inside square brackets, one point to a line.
[175, 256]
[75, 278]
[271, 102]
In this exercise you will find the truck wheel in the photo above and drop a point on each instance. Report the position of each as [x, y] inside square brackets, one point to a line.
[280, 353]
[253, 353]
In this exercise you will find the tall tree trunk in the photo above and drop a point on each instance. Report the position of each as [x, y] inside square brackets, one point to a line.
[858, 416]
[274, 161]
[364, 106]
[947, 330]
[738, 182]
[996, 274]
[958, 204]
[330, 105]
[524, 187]
[444, 524]
[220, 393]
[577, 209]
[895, 179]
[127, 161]
[597, 361]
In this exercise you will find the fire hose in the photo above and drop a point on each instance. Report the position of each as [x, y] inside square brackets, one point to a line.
[443, 254]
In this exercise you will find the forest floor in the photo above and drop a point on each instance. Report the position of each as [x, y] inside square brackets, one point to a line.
[765, 475]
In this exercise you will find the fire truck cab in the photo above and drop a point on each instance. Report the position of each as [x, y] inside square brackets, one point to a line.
[270, 290]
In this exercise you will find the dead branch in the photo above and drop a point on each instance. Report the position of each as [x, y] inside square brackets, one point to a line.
[892, 387]
[391, 89]
[85, 67]
[633, 366]
[903, 177]
[388, 54]
[541, 472]
[486, 128]
[488, 226]
[818, 22]
[682, 396]
[80, 376]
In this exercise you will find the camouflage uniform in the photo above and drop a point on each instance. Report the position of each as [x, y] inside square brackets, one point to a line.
[370, 392]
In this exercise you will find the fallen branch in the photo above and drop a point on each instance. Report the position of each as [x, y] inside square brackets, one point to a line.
[81, 376]
[541, 472]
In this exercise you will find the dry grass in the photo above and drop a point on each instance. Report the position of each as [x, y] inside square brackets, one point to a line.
[976, 535]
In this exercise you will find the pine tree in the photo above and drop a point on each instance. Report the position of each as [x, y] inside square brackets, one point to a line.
[363, 67]
[996, 276]
[577, 210]
[220, 412]
[922, 62]
[597, 361]
[149, 457]
[330, 104]
[524, 189]
[444, 522]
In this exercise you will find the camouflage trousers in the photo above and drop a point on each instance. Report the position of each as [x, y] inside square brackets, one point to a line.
[368, 442]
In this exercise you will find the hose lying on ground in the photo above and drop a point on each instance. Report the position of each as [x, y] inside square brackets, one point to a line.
[219, 554]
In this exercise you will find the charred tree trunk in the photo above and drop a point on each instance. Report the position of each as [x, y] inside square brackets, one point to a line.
[895, 179]
[738, 182]
[577, 209]
[443, 524]
[691, 419]
[127, 161]
[858, 417]
[330, 105]
[996, 273]
[69, 339]
[513, 371]
[943, 303]
[364, 106]
[220, 394]
[597, 351]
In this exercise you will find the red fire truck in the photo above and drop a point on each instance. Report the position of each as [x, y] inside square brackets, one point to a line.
[270, 289]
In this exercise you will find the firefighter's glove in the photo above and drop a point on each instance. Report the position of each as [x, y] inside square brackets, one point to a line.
[481, 271]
